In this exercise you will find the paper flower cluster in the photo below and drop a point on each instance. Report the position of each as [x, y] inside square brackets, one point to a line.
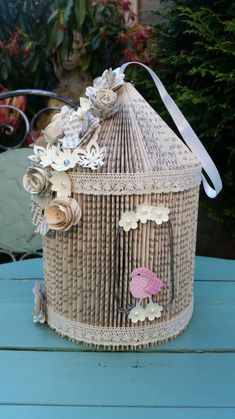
[144, 212]
[61, 148]
[151, 311]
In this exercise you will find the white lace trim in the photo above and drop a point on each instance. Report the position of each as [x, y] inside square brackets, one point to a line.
[135, 183]
[119, 336]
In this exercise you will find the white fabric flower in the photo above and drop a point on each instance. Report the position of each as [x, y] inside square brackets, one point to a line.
[64, 160]
[143, 212]
[153, 310]
[54, 130]
[137, 314]
[61, 183]
[128, 220]
[160, 214]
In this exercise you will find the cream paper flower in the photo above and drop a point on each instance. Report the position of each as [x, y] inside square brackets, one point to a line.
[137, 314]
[159, 214]
[102, 103]
[43, 156]
[63, 114]
[153, 310]
[64, 160]
[143, 212]
[84, 107]
[128, 220]
[61, 183]
[110, 79]
[36, 180]
[62, 214]
[54, 130]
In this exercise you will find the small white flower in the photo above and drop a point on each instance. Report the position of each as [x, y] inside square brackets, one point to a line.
[128, 220]
[143, 212]
[64, 160]
[160, 214]
[61, 183]
[137, 314]
[153, 310]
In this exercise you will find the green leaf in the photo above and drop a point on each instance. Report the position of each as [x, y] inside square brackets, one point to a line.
[4, 70]
[53, 15]
[95, 43]
[80, 9]
[59, 37]
[67, 10]
[86, 62]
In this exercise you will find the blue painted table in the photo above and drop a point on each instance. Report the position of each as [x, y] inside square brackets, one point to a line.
[45, 377]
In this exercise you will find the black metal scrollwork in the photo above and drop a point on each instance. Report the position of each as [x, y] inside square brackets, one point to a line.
[8, 130]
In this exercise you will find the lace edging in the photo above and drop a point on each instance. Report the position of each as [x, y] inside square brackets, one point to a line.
[135, 183]
[119, 336]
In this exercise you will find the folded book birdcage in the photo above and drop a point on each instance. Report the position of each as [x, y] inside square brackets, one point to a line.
[115, 194]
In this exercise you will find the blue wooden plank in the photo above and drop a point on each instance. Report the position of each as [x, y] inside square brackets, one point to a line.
[74, 412]
[30, 268]
[212, 326]
[114, 379]
[212, 269]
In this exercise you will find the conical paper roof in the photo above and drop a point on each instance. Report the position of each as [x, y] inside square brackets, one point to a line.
[143, 154]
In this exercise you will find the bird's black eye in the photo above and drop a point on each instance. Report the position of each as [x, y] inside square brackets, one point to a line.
[138, 274]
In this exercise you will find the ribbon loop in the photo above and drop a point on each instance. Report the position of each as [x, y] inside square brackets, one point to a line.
[188, 134]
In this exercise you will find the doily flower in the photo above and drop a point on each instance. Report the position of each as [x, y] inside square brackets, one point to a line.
[137, 314]
[62, 214]
[143, 212]
[61, 183]
[128, 220]
[92, 157]
[102, 103]
[36, 180]
[153, 310]
[64, 160]
[159, 214]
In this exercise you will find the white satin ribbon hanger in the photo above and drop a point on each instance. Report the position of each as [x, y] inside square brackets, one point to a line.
[188, 134]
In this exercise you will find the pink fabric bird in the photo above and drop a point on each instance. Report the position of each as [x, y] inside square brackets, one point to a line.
[144, 283]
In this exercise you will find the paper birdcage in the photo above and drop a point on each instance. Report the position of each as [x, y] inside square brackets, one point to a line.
[138, 214]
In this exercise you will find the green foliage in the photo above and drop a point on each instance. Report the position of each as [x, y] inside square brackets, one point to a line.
[196, 57]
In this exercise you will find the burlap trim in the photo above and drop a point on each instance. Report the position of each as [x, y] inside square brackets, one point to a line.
[119, 336]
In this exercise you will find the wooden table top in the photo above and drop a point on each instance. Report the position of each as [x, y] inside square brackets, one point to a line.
[43, 376]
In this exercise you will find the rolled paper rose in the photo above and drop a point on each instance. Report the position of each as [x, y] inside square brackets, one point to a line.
[36, 180]
[62, 214]
[102, 103]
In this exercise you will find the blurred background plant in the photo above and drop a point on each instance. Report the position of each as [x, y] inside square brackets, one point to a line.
[191, 48]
